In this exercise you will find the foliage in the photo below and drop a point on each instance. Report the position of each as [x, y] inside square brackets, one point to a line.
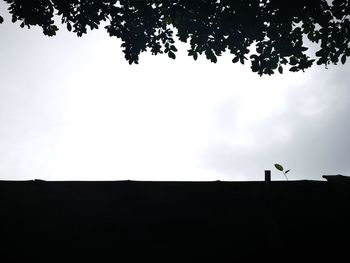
[281, 168]
[269, 33]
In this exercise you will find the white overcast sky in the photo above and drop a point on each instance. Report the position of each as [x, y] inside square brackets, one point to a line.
[73, 109]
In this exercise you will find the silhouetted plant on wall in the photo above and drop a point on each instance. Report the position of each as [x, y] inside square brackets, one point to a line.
[281, 168]
[269, 33]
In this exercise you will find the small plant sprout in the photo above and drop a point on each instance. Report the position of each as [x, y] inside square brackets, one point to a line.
[280, 168]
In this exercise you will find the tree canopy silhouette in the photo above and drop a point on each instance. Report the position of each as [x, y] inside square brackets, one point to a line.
[271, 34]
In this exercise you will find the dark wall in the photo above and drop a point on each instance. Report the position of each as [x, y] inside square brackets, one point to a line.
[174, 220]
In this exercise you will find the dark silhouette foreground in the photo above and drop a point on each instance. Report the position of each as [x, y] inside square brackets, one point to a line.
[272, 34]
[174, 221]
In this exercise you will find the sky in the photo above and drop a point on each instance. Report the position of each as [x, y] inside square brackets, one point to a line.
[74, 109]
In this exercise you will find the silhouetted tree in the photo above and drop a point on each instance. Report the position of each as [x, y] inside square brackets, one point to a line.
[269, 33]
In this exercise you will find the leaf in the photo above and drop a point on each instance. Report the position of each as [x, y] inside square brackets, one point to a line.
[241, 59]
[69, 27]
[193, 54]
[284, 61]
[210, 55]
[14, 19]
[294, 69]
[320, 53]
[269, 71]
[173, 48]
[279, 167]
[343, 59]
[1, 20]
[171, 55]
[280, 69]
[293, 61]
[255, 66]
[167, 20]
[287, 171]
[235, 59]
[347, 51]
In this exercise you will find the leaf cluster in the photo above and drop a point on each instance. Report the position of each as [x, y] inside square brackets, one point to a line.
[269, 33]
